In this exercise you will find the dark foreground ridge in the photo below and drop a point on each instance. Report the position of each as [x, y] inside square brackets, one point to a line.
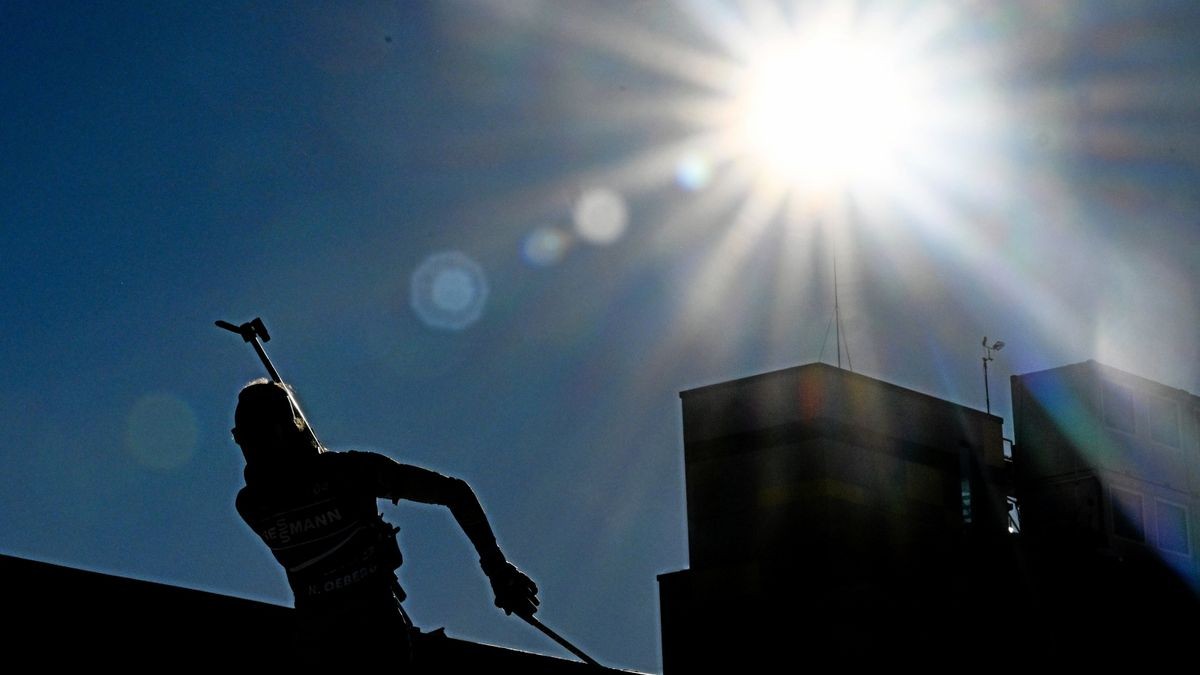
[62, 616]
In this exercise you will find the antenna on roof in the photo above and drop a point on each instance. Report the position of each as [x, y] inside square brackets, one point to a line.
[836, 319]
[987, 356]
[837, 314]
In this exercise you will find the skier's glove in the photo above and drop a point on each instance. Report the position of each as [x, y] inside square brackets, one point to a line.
[515, 592]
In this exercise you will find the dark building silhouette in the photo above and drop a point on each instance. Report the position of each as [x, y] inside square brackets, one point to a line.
[1108, 477]
[835, 518]
[1109, 461]
[829, 512]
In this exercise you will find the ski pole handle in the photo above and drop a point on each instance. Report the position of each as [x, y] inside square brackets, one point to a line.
[251, 331]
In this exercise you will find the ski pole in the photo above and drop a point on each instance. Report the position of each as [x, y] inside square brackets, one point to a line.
[559, 639]
[251, 331]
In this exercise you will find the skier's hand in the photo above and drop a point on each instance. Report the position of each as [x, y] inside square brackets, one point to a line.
[515, 592]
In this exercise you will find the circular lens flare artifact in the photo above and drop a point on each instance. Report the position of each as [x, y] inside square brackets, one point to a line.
[449, 291]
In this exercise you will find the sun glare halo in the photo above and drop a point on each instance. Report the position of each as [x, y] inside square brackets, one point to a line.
[828, 111]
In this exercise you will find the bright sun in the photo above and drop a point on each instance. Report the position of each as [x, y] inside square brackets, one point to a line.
[819, 114]
[829, 110]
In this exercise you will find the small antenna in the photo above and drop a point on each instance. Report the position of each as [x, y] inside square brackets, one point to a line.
[987, 356]
[836, 318]
[837, 314]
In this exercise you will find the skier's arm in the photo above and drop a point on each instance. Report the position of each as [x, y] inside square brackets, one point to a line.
[515, 592]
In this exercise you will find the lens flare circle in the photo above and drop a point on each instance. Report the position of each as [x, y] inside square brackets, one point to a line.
[545, 246]
[161, 431]
[693, 172]
[600, 216]
[448, 291]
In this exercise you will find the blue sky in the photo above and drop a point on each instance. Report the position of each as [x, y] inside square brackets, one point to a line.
[169, 164]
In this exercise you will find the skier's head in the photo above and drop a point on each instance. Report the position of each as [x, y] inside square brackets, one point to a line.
[267, 425]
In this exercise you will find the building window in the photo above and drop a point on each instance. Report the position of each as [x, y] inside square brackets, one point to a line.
[1118, 407]
[1163, 418]
[1128, 515]
[966, 501]
[1172, 527]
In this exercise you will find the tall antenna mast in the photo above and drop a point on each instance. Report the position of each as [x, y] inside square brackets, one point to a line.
[837, 317]
[837, 314]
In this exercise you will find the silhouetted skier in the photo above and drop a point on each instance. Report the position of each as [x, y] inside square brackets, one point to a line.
[317, 512]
